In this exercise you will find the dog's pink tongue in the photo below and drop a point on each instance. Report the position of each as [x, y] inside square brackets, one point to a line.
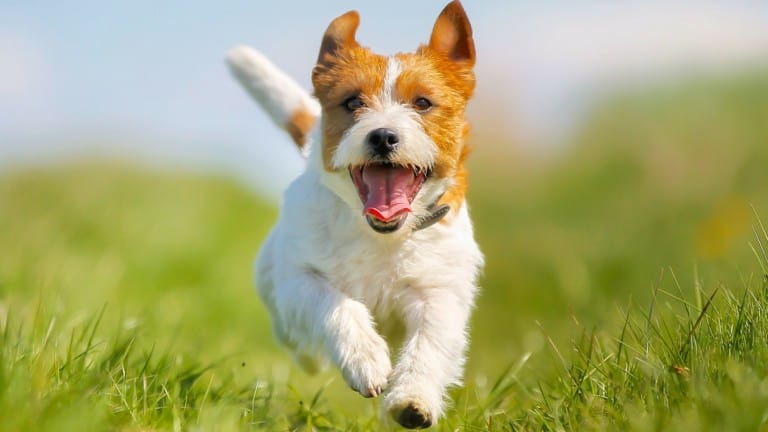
[387, 191]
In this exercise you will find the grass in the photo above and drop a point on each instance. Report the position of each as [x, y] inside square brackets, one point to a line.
[126, 299]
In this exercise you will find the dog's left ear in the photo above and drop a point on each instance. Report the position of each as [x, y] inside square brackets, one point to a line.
[452, 35]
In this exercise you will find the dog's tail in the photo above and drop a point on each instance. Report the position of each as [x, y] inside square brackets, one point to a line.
[291, 107]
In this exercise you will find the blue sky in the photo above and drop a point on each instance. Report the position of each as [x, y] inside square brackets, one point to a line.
[146, 79]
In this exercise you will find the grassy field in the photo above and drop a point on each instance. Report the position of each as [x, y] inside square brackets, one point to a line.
[626, 287]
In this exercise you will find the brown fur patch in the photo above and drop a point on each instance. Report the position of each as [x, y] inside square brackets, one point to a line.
[452, 34]
[339, 34]
[454, 196]
[299, 125]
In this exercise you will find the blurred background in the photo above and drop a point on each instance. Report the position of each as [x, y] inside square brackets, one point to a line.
[612, 140]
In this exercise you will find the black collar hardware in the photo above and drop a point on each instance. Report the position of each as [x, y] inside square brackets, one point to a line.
[436, 213]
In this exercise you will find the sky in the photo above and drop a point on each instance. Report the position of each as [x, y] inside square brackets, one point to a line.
[146, 80]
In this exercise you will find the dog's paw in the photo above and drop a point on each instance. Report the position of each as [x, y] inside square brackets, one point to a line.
[412, 410]
[412, 416]
[366, 365]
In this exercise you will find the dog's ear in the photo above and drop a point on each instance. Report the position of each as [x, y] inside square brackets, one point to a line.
[340, 34]
[452, 35]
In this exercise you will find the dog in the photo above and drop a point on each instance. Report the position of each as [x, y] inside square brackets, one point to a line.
[374, 241]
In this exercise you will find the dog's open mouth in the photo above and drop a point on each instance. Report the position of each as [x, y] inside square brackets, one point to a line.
[387, 191]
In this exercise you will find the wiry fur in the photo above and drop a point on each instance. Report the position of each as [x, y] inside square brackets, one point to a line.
[334, 286]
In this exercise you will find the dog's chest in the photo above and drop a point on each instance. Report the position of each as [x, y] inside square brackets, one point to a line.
[386, 272]
[373, 271]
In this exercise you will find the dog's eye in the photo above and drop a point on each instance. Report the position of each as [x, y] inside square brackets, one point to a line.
[422, 104]
[353, 104]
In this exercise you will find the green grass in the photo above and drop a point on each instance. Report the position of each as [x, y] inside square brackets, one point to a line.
[626, 288]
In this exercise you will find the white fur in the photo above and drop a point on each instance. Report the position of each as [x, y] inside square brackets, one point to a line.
[333, 286]
[388, 94]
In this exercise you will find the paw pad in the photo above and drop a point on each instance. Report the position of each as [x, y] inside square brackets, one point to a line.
[412, 417]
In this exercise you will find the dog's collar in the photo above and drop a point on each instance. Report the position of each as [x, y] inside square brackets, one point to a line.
[436, 213]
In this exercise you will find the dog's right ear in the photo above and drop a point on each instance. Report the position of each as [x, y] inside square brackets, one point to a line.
[340, 34]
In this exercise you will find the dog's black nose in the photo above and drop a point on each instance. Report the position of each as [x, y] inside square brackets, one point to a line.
[383, 141]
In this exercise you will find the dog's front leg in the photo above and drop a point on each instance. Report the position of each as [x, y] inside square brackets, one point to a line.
[312, 311]
[432, 357]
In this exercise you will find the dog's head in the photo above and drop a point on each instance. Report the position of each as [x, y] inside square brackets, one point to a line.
[393, 128]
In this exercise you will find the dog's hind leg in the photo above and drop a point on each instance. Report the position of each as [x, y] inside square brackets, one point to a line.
[310, 361]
